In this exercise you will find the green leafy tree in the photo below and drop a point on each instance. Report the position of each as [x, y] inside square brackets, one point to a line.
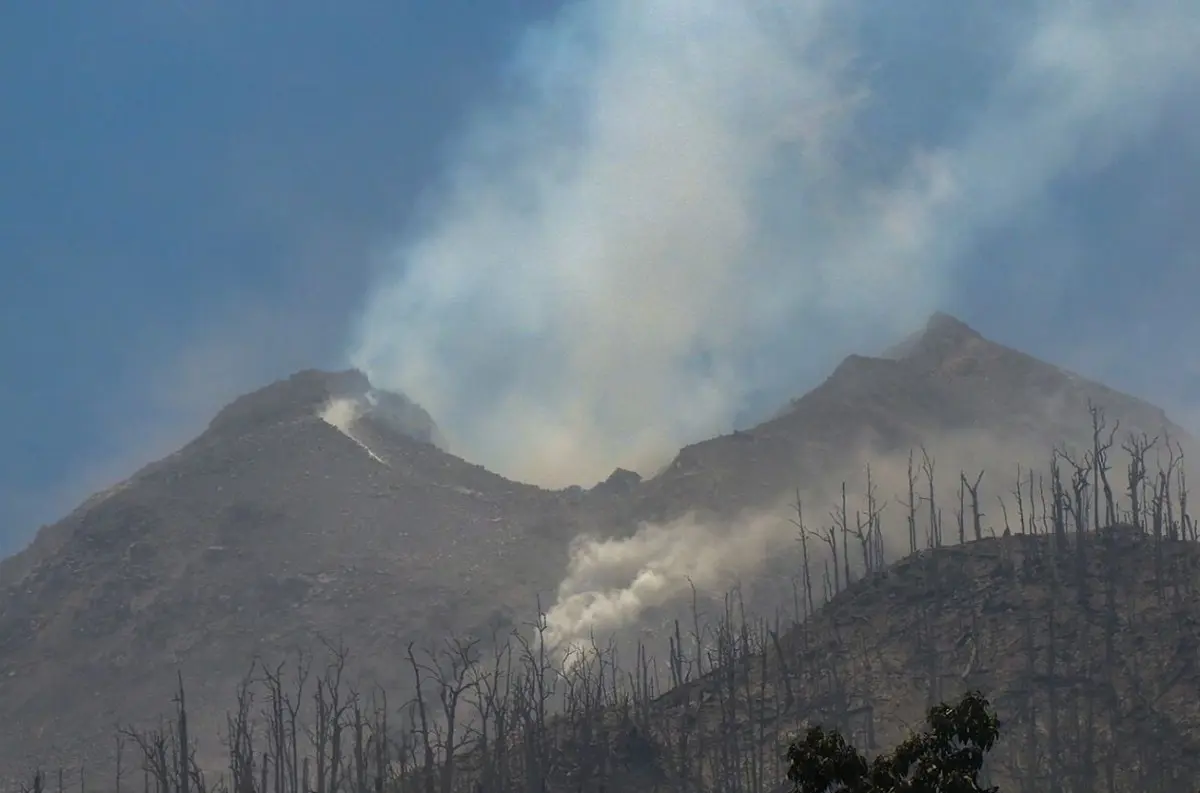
[944, 758]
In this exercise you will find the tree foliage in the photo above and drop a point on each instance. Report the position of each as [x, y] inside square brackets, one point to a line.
[946, 757]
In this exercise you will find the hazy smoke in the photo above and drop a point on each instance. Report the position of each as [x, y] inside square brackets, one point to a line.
[611, 583]
[669, 196]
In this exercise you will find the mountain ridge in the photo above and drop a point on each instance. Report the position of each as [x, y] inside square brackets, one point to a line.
[946, 378]
[274, 526]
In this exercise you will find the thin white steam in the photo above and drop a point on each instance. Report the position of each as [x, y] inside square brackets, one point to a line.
[664, 196]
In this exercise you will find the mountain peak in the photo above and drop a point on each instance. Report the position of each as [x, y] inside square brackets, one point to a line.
[942, 334]
[943, 324]
[304, 393]
[308, 393]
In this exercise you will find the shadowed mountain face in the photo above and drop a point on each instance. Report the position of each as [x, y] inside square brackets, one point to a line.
[319, 506]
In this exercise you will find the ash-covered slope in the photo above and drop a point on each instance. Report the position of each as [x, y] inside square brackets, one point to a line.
[946, 383]
[269, 528]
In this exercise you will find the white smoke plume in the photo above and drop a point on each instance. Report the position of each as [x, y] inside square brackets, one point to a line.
[342, 413]
[610, 583]
[667, 198]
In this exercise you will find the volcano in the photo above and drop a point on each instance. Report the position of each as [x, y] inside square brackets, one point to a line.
[319, 506]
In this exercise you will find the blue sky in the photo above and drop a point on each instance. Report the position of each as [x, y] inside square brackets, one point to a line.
[197, 198]
[174, 175]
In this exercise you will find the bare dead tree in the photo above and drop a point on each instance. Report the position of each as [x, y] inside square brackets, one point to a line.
[119, 757]
[866, 528]
[428, 752]
[1137, 447]
[935, 530]
[911, 505]
[830, 539]
[960, 513]
[976, 514]
[453, 675]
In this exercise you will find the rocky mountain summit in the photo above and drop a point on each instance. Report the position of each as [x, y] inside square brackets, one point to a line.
[320, 506]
